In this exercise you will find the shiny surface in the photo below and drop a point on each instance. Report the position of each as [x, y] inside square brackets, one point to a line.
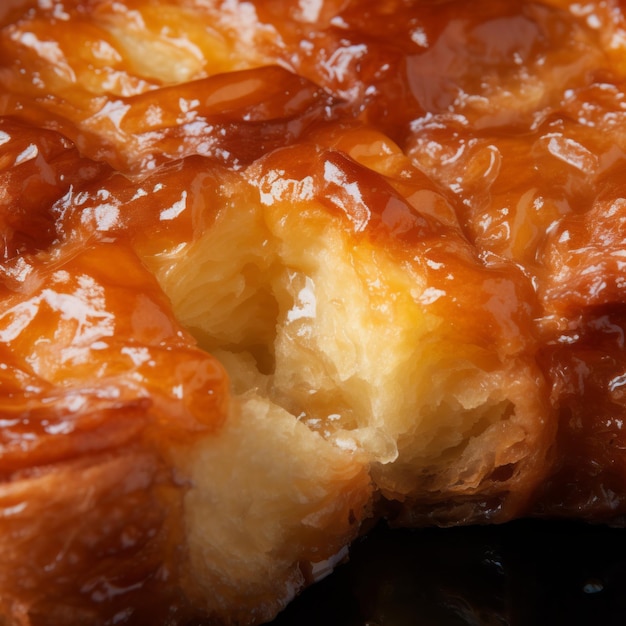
[100, 385]
[401, 224]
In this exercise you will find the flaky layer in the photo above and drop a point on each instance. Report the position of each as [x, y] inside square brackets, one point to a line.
[270, 268]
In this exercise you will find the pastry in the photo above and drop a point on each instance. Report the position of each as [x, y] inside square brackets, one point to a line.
[274, 271]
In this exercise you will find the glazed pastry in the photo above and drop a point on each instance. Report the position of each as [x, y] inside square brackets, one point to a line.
[273, 271]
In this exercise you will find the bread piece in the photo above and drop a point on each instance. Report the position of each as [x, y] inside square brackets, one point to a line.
[124, 494]
[269, 269]
[358, 333]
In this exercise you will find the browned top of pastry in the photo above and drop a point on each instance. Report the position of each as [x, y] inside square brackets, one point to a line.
[398, 226]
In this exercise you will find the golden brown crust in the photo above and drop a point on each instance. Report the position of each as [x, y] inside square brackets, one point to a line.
[271, 268]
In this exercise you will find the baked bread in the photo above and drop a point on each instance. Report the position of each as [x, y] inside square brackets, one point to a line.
[272, 271]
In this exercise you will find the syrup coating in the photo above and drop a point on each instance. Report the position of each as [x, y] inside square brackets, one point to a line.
[270, 269]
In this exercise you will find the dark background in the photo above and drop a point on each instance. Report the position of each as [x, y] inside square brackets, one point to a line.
[526, 573]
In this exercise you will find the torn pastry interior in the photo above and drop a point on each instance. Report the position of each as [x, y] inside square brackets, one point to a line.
[273, 270]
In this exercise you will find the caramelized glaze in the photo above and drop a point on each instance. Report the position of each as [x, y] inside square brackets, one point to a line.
[478, 148]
